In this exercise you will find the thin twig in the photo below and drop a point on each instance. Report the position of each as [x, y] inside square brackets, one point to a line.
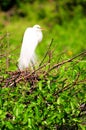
[2, 37]
[7, 53]
[46, 53]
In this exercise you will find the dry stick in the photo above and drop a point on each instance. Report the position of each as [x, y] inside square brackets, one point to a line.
[4, 55]
[46, 53]
[64, 62]
[12, 79]
[7, 53]
[68, 86]
[82, 81]
[49, 60]
[2, 37]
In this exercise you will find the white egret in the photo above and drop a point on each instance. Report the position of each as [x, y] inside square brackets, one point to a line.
[32, 36]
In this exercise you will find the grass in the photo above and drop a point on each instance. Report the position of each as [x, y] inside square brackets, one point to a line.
[55, 100]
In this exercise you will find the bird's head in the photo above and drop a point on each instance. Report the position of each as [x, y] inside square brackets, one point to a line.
[37, 27]
[38, 32]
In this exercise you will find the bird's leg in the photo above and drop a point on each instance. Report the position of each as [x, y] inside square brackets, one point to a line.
[32, 65]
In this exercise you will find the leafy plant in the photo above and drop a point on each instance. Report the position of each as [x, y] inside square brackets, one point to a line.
[53, 96]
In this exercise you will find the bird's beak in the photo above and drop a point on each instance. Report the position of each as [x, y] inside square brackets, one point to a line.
[43, 29]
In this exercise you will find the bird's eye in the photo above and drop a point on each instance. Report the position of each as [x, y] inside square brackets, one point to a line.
[38, 27]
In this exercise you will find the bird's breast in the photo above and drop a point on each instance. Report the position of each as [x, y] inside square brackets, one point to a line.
[39, 36]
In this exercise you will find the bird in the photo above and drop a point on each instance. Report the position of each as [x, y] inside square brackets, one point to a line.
[32, 36]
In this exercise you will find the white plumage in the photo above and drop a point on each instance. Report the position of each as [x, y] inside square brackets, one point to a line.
[32, 37]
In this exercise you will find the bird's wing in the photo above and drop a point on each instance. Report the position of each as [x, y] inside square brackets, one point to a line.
[27, 35]
[29, 44]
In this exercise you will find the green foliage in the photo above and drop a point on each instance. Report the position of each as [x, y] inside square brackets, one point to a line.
[56, 11]
[54, 102]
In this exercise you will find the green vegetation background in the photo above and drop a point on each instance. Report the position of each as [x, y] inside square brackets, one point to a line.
[45, 108]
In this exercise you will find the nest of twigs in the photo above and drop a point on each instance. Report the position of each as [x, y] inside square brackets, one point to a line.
[18, 76]
[33, 77]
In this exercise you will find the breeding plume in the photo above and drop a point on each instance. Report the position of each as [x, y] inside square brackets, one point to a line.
[32, 36]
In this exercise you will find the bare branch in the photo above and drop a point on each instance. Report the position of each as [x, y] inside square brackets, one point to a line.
[66, 61]
[46, 53]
